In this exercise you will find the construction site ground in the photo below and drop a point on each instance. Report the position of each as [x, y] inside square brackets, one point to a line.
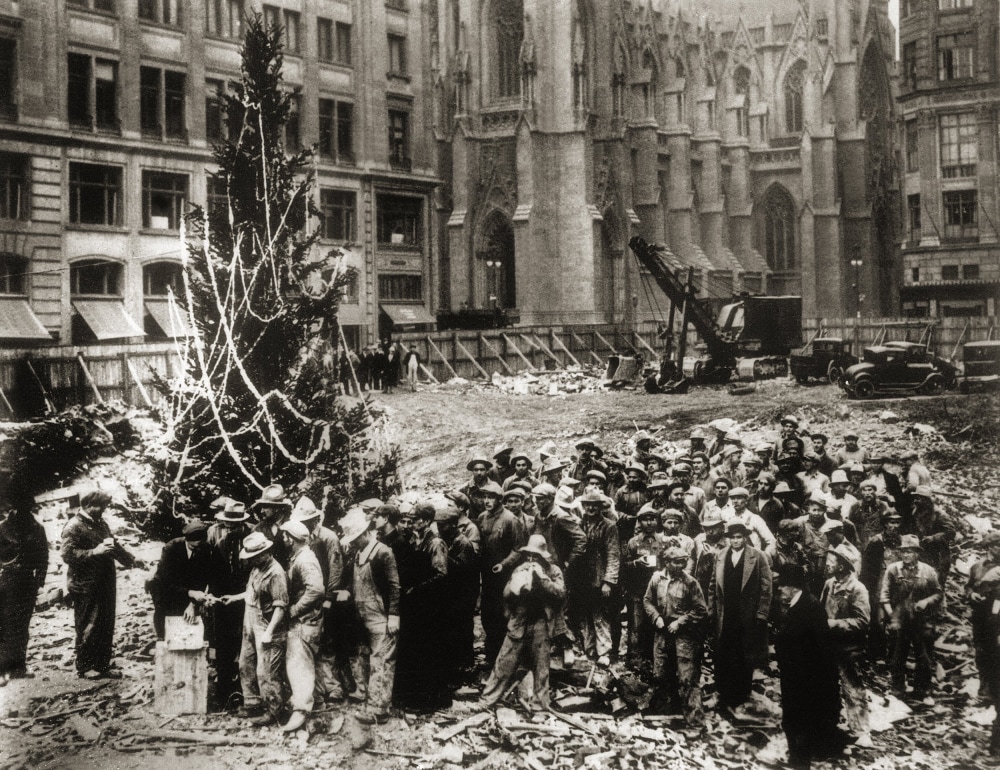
[58, 721]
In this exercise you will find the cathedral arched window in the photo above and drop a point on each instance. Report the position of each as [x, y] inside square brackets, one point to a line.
[778, 229]
[741, 87]
[794, 85]
[579, 52]
[506, 34]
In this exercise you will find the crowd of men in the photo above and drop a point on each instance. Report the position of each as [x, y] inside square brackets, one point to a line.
[378, 367]
[656, 558]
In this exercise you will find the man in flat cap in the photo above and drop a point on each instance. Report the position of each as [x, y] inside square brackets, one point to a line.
[935, 530]
[983, 591]
[641, 559]
[594, 594]
[761, 537]
[461, 589]
[740, 602]
[502, 534]
[188, 578]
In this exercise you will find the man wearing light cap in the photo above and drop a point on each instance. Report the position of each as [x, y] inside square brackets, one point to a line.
[305, 621]
[841, 499]
[812, 479]
[707, 546]
[641, 558]
[273, 509]
[833, 531]
[760, 534]
[591, 596]
[676, 608]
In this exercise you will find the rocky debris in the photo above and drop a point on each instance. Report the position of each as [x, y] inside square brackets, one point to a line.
[888, 417]
[559, 382]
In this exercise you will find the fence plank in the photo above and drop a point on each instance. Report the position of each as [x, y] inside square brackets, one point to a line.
[90, 379]
[442, 357]
[500, 358]
[555, 338]
[531, 367]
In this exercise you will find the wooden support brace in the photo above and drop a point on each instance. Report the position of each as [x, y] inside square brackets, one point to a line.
[590, 350]
[645, 344]
[517, 350]
[531, 344]
[606, 343]
[555, 338]
[546, 351]
[467, 354]
[50, 407]
[497, 353]
[441, 355]
[89, 377]
[138, 383]
[6, 403]
[429, 374]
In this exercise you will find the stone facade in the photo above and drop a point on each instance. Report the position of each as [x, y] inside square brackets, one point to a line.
[949, 93]
[755, 140]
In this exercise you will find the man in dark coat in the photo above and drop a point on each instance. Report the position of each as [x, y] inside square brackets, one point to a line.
[740, 600]
[189, 577]
[24, 560]
[501, 535]
[461, 590]
[810, 690]
[273, 509]
[596, 581]
[90, 553]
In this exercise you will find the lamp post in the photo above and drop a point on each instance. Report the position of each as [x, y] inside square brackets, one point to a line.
[494, 266]
[856, 263]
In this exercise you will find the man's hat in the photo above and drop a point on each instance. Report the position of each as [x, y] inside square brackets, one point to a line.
[762, 446]
[305, 510]
[655, 484]
[501, 449]
[782, 488]
[711, 518]
[729, 450]
[544, 490]
[548, 449]
[614, 461]
[353, 524]
[839, 477]
[636, 468]
[682, 468]
[445, 511]
[525, 485]
[810, 456]
[790, 419]
[459, 498]
[736, 527]
[296, 529]
[273, 494]
[793, 441]
[749, 458]
[784, 457]
[641, 435]
[675, 485]
[819, 498]
[478, 461]
[702, 455]
[850, 434]
[536, 545]
[569, 481]
[673, 553]
[591, 497]
[490, 488]
[520, 456]
[552, 464]
[596, 474]
[370, 504]
[195, 531]
[234, 511]
[910, 543]
[515, 492]
[855, 468]
[732, 437]
[697, 433]
[253, 544]
[891, 514]
[739, 492]
[220, 503]
[831, 524]
[564, 498]
[923, 491]
[671, 513]
[585, 444]
[821, 436]
[647, 512]
[788, 527]
[846, 557]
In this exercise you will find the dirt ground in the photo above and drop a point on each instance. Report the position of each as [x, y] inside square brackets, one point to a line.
[438, 430]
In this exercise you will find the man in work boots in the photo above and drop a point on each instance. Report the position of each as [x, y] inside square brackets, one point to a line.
[643, 555]
[501, 535]
[305, 621]
[596, 579]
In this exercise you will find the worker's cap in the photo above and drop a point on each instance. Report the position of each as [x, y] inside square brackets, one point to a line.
[524, 485]
[445, 511]
[517, 492]
[819, 498]
[641, 436]
[839, 477]
[749, 458]
[658, 483]
[459, 498]
[785, 457]
[487, 464]
[736, 527]
[273, 494]
[254, 544]
[591, 499]
[739, 492]
[490, 489]
[647, 512]
[712, 518]
[790, 419]
[637, 469]
[788, 528]
[543, 490]
[697, 433]
[782, 488]
[891, 514]
[305, 510]
[910, 543]
[682, 468]
[674, 554]
[672, 513]
[762, 446]
[730, 450]
[569, 481]
[723, 480]
[732, 437]
[596, 475]
[370, 504]
[295, 529]
[537, 546]
[830, 525]
[195, 531]
[501, 449]
[810, 456]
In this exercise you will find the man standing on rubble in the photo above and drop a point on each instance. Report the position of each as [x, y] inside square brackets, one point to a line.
[643, 555]
[674, 604]
[982, 590]
[90, 553]
[597, 579]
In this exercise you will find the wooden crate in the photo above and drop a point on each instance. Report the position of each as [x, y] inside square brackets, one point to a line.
[180, 683]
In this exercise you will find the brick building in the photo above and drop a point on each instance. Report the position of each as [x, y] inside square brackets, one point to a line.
[949, 91]
[755, 139]
[108, 109]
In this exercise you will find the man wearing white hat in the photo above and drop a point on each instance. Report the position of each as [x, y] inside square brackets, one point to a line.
[225, 536]
[305, 619]
[262, 657]
[272, 510]
[375, 590]
[761, 536]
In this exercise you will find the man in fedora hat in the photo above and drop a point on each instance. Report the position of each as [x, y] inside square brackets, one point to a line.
[375, 592]
[552, 471]
[306, 593]
[521, 465]
[836, 538]
[225, 537]
[848, 609]
[480, 469]
[273, 509]
[740, 601]
[910, 597]
[502, 533]
[841, 500]
[594, 594]
[501, 463]
[676, 608]
[643, 442]
[533, 595]
[265, 630]
[641, 559]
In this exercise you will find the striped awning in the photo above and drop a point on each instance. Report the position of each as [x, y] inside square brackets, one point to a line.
[172, 320]
[108, 319]
[19, 322]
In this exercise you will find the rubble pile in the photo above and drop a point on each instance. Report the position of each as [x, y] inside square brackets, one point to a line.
[557, 382]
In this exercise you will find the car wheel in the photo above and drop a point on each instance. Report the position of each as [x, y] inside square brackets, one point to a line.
[834, 372]
[864, 389]
[934, 386]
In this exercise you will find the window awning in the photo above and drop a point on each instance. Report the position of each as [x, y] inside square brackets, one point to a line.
[173, 321]
[108, 319]
[408, 315]
[350, 314]
[19, 322]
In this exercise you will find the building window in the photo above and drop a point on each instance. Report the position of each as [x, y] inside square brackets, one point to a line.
[950, 5]
[912, 146]
[913, 219]
[507, 32]
[906, 7]
[293, 128]
[949, 272]
[161, 11]
[95, 277]
[217, 195]
[95, 194]
[8, 79]
[343, 32]
[970, 272]
[961, 214]
[163, 199]
[399, 140]
[13, 274]
[336, 130]
[959, 145]
[162, 100]
[399, 221]
[324, 40]
[794, 82]
[288, 22]
[619, 95]
[13, 186]
[106, 6]
[159, 279]
[401, 288]
[910, 65]
[778, 229]
[215, 125]
[822, 27]
[915, 275]
[224, 18]
[397, 54]
[338, 213]
[92, 92]
[399, 5]
[955, 56]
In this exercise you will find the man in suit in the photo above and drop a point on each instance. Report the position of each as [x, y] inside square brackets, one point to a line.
[810, 694]
[739, 600]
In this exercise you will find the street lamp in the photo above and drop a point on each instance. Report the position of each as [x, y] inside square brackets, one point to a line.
[494, 266]
[856, 263]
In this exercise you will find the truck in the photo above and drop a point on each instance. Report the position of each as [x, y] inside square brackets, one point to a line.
[825, 358]
[751, 337]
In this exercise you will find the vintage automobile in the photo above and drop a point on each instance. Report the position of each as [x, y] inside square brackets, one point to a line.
[982, 366]
[897, 368]
[825, 358]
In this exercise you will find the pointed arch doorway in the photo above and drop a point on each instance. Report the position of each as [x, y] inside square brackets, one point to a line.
[494, 270]
[612, 268]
